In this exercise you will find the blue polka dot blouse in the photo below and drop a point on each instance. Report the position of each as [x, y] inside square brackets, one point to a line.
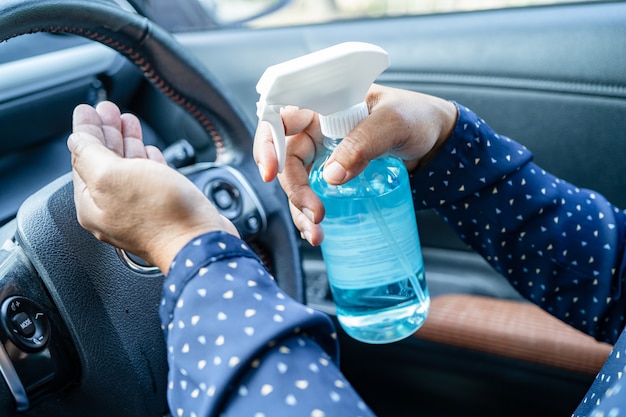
[239, 346]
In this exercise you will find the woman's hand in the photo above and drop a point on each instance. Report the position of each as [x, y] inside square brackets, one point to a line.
[125, 193]
[409, 125]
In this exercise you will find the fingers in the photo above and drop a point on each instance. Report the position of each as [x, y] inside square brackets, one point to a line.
[300, 120]
[89, 157]
[307, 210]
[302, 123]
[303, 144]
[153, 153]
[309, 230]
[100, 137]
[85, 119]
[132, 138]
[90, 162]
[265, 153]
[111, 123]
[122, 133]
[87, 125]
[295, 182]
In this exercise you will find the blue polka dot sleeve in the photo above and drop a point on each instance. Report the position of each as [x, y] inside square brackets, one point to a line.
[237, 345]
[560, 246]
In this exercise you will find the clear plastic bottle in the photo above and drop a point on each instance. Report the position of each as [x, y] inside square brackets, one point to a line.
[371, 246]
[372, 251]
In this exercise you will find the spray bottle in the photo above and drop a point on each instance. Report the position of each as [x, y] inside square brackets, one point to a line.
[371, 246]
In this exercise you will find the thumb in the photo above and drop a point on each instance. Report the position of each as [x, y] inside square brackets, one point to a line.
[369, 140]
[90, 158]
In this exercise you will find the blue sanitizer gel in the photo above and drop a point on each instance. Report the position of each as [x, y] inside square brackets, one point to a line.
[372, 252]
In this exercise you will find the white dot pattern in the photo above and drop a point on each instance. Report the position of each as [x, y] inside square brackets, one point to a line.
[560, 246]
[241, 347]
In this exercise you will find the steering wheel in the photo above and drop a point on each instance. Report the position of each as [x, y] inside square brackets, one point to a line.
[79, 330]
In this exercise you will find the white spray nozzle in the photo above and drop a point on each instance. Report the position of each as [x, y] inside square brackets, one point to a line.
[328, 81]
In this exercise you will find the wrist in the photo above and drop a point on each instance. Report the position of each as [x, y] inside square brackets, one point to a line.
[164, 249]
[447, 114]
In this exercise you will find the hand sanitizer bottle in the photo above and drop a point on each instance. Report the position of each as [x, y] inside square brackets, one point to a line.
[371, 247]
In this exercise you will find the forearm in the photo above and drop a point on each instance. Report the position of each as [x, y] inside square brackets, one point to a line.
[236, 342]
[560, 246]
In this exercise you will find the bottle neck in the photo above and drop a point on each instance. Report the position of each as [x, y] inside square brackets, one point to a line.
[339, 124]
[330, 143]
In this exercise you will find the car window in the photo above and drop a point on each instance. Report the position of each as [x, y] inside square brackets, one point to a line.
[186, 15]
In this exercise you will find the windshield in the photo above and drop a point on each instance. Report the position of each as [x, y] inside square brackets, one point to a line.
[188, 15]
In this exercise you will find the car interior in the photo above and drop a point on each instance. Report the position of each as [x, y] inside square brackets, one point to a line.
[549, 76]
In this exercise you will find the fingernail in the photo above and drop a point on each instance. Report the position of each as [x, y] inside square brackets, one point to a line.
[262, 171]
[306, 235]
[71, 142]
[309, 214]
[334, 173]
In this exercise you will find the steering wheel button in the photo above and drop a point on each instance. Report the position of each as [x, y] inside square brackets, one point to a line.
[253, 223]
[24, 324]
[223, 199]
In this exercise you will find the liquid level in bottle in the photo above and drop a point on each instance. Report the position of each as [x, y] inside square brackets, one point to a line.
[382, 314]
[378, 286]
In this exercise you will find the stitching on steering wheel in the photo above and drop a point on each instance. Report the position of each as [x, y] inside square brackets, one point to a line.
[148, 71]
